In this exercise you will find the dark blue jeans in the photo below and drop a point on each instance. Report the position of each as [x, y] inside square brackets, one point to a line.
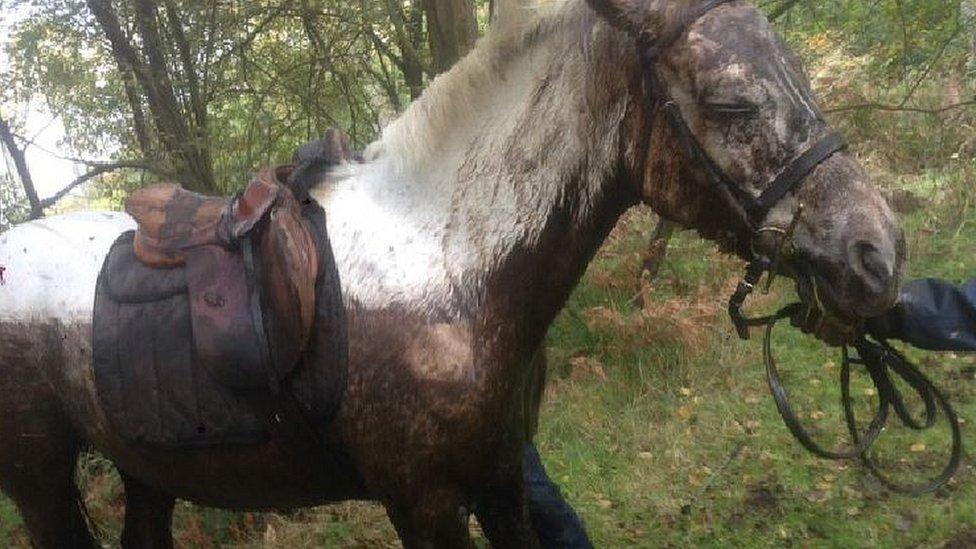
[554, 520]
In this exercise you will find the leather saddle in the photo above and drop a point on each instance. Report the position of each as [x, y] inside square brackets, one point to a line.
[251, 267]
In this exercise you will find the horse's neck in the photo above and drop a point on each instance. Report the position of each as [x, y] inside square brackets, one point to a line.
[486, 174]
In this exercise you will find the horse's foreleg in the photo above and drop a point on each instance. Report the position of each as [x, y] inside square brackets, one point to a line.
[148, 517]
[437, 519]
[503, 514]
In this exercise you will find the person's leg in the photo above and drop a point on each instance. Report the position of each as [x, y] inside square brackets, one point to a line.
[553, 519]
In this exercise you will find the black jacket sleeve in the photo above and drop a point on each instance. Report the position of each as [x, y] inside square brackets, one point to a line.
[932, 314]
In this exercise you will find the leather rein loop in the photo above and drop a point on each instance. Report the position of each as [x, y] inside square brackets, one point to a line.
[878, 358]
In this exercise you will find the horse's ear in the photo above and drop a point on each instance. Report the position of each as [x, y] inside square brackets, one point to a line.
[628, 15]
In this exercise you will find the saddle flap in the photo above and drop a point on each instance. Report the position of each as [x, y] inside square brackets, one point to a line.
[251, 266]
[289, 259]
[225, 341]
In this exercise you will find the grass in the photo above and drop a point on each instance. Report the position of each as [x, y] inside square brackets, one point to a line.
[659, 428]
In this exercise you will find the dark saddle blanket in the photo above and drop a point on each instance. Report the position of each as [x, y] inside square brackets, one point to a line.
[216, 312]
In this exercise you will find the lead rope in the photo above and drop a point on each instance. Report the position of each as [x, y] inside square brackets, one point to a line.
[879, 359]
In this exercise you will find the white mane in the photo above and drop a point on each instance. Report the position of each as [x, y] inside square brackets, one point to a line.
[474, 169]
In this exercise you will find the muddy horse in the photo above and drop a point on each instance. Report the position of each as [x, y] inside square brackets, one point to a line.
[458, 240]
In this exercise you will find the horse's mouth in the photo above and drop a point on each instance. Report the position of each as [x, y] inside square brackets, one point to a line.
[822, 316]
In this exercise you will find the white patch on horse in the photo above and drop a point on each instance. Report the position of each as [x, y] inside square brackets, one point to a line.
[475, 168]
[51, 265]
[386, 237]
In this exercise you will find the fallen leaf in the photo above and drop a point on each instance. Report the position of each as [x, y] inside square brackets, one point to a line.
[684, 413]
[919, 447]
[584, 365]
[817, 496]
[270, 535]
[817, 415]
[645, 455]
[686, 391]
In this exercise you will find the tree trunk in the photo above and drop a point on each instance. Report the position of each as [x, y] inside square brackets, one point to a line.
[408, 30]
[134, 99]
[181, 133]
[20, 163]
[657, 249]
[452, 30]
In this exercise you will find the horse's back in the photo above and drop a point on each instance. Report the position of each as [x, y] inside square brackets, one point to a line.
[50, 266]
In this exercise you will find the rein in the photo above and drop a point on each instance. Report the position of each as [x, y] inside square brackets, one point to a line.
[879, 358]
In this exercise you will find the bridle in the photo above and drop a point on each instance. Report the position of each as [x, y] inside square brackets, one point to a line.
[878, 357]
[751, 210]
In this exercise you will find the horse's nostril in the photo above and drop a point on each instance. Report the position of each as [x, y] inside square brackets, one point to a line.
[872, 266]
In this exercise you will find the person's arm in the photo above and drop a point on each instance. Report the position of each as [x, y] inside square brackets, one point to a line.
[932, 314]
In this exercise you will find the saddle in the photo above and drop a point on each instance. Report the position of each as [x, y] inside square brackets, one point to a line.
[251, 265]
[219, 321]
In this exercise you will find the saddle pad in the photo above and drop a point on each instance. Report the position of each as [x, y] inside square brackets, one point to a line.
[155, 392]
[150, 385]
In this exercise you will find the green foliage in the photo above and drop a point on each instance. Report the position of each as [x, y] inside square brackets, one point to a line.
[13, 205]
[886, 69]
[273, 75]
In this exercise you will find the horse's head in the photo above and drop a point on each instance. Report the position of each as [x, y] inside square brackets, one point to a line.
[737, 147]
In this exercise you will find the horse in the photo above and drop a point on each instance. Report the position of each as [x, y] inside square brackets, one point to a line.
[458, 240]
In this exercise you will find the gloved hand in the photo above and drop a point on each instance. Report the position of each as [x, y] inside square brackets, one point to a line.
[931, 314]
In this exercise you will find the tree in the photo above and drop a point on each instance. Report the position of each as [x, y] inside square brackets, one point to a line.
[20, 164]
[213, 91]
[452, 30]
[180, 118]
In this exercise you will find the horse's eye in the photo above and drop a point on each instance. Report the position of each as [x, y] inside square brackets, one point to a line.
[737, 109]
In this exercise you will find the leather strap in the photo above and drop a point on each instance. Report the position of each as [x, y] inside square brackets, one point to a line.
[798, 169]
[750, 210]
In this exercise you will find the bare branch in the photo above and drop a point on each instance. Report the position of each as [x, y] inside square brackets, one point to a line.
[901, 108]
[95, 172]
[20, 162]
